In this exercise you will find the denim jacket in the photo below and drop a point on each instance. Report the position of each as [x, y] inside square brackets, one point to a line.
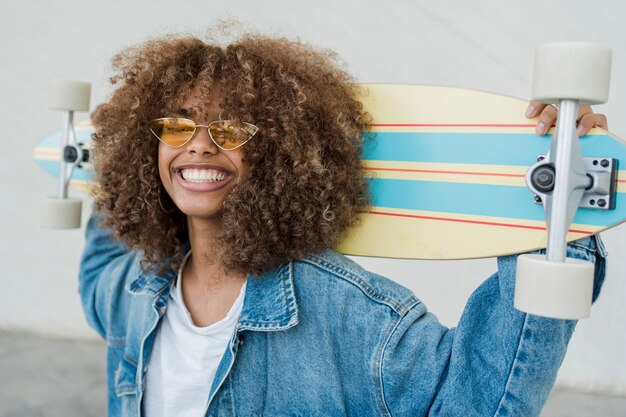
[322, 336]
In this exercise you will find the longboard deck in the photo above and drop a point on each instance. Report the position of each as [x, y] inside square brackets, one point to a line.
[48, 153]
[446, 169]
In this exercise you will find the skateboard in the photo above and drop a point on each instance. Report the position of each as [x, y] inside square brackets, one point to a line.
[446, 169]
[458, 174]
[447, 172]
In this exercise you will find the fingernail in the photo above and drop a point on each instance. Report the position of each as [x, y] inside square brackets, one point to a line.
[530, 111]
[540, 129]
[579, 131]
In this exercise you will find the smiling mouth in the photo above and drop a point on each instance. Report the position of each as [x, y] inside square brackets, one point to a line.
[202, 175]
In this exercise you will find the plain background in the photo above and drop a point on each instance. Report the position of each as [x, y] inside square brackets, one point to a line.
[485, 45]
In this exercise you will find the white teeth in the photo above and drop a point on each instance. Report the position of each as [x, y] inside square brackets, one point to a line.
[202, 175]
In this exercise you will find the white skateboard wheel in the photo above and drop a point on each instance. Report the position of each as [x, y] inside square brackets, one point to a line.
[69, 95]
[59, 213]
[561, 290]
[573, 71]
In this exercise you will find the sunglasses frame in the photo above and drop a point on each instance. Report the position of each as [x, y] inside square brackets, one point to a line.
[195, 130]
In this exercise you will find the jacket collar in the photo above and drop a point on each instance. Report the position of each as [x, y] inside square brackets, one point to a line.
[270, 301]
[151, 283]
[269, 304]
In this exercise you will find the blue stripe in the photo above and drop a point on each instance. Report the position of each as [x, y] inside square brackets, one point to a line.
[52, 168]
[54, 141]
[476, 148]
[475, 199]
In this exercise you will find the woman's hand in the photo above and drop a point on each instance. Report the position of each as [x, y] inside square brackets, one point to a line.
[547, 117]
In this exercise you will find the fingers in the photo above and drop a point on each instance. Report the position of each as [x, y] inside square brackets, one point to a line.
[534, 108]
[547, 116]
[587, 119]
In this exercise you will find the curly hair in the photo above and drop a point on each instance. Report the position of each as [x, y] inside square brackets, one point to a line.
[305, 184]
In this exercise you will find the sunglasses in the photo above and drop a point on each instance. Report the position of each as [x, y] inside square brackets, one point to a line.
[226, 134]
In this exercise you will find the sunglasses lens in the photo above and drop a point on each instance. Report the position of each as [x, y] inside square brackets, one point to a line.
[173, 131]
[230, 134]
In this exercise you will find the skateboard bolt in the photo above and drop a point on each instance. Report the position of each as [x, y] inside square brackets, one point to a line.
[70, 154]
[602, 202]
[604, 163]
[540, 158]
[543, 178]
[537, 199]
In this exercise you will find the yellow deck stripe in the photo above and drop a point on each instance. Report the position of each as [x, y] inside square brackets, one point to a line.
[459, 173]
[578, 229]
[432, 235]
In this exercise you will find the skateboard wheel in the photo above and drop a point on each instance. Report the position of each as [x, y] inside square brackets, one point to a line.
[561, 290]
[59, 213]
[573, 71]
[69, 95]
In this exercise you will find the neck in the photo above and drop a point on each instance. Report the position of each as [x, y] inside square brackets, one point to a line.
[205, 266]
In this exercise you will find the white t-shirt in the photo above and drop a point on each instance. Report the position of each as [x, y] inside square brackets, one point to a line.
[185, 358]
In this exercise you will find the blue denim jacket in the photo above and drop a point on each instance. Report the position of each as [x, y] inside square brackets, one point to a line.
[322, 336]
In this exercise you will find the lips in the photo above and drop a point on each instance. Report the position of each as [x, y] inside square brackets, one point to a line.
[202, 177]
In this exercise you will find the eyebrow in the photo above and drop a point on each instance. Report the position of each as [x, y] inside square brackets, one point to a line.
[185, 112]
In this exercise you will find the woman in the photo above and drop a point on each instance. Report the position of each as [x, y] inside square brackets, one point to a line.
[225, 176]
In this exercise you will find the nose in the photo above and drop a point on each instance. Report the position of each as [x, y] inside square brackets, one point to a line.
[201, 143]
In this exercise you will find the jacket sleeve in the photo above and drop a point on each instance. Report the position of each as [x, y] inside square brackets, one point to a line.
[497, 362]
[104, 266]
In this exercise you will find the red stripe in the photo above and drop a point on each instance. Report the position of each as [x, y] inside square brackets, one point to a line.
[454, 125]
[518, 226]
[490, 174]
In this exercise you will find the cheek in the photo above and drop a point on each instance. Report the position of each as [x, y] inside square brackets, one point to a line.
[164, 161]
[237, 160]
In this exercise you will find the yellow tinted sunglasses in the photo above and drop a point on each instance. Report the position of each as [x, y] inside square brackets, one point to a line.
[226, 134]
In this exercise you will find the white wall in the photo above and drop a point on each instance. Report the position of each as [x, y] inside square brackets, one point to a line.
[478, 44]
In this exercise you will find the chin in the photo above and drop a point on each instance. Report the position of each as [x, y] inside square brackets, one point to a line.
[202, 213]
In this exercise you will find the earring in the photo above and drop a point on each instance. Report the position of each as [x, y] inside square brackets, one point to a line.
[161, 203]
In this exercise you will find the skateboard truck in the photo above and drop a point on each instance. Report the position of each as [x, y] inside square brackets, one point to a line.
[556, 286]
[63, 212]
[601, 176]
